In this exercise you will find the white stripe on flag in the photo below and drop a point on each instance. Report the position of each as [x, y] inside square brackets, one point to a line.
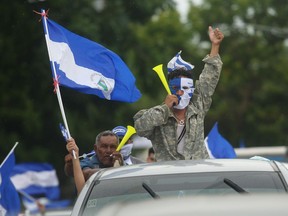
[208, 149]
[30, 178]
[62, 55]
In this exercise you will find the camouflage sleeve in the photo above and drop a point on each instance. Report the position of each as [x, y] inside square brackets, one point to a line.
[208, 79]
[146, 120]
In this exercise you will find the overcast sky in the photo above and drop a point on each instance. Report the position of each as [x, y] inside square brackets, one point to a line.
[182, 6]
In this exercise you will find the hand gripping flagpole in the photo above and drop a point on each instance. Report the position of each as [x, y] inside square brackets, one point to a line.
[56, 83]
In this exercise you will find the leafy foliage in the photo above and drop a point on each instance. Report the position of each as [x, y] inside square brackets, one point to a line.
[249, 102]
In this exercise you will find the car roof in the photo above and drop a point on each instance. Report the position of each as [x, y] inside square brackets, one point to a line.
[185, 166]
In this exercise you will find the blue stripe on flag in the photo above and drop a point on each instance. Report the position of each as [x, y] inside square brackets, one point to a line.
[217, 145]
[49, 204]
[9, 198]
[177, 62]
[36, 179]
[89, 67]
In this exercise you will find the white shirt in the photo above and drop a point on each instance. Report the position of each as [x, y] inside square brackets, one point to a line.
[180, 146]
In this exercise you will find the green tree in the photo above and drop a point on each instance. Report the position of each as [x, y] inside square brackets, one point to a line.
[250, 100]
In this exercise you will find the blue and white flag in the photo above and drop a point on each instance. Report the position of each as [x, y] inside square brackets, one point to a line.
[9, 199]
[87, 66]
[36, 179]
[177, 62]
[217, 146]
[64, 132]
[38, 184]
[34, 205]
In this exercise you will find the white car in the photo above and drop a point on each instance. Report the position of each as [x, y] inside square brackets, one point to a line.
[178, 179]
[235, 205]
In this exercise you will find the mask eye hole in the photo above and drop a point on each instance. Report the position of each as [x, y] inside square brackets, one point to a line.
[185, 87]
[174, 87]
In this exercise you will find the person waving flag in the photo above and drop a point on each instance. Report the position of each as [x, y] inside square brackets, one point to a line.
[86, 66]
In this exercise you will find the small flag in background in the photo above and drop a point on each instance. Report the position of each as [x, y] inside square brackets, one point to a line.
[217, 146]
[64, 132]
[34, 205]
[38, 182]
[9, 199]
[36, 179]
[88, 67]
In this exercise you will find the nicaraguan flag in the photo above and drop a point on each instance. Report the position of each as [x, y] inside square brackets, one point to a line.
[33, 207]
[87, 66]
[9, 199]
[36, 180]
[177, 62]
[217, 146]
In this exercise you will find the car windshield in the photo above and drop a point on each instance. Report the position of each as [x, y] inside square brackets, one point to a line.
[131, 189]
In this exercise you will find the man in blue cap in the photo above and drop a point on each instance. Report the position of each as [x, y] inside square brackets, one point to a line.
[92, 163]
[104, 155]
[126, 150]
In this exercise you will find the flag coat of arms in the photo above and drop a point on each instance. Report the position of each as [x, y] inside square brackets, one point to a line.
[87, 66]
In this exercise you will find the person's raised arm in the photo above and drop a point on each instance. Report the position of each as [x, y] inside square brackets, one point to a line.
[78, 175]
[216, 37]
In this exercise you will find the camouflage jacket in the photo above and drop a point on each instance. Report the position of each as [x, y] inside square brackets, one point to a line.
[159, 124]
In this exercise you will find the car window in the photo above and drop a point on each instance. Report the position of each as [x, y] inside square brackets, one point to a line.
[181, 185]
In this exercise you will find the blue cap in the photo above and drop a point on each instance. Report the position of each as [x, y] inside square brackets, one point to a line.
[120, 131]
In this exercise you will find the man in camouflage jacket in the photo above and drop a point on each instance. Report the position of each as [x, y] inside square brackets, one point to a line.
[176, 130]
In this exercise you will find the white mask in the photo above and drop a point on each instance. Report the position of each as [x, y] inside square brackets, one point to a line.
[184, 101]
[185, 85]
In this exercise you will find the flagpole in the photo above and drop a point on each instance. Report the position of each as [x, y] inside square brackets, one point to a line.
[15, 145]
[40, 206]
[27, 195]
[56, 83]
